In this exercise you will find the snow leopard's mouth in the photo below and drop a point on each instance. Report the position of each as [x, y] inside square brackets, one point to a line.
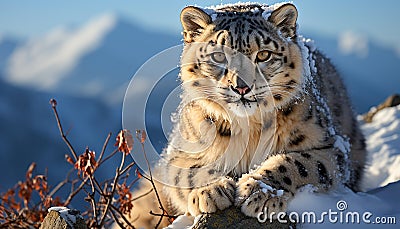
[245, 101]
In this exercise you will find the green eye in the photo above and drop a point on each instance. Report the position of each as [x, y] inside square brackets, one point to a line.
[263, 56]
[218, 57]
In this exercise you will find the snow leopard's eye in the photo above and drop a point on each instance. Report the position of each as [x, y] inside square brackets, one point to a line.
[218, 57]
[263, 56]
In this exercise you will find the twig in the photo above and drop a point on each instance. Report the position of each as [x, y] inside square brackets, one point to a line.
[92, 200]
[153, 184]
[61, 184]
[127, 168]
[53, 103]
[143, 195]
[122, 215]
[163, 215]
[75, 192]
[114, 186]
[104, 147]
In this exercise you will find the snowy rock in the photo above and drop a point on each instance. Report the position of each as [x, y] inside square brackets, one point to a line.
[63, 218]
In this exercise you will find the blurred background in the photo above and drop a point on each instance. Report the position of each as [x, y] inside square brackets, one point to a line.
[84, 53]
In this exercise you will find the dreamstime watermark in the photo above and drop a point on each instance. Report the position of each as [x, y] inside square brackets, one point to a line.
[338, 215]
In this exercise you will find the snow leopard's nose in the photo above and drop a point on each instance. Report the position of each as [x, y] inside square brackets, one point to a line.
[241, 87]
[241, 90]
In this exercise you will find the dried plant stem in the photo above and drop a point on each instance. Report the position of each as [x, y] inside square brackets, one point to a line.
[53, 103]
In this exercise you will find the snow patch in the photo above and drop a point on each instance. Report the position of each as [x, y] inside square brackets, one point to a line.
[68, 215]
[383, 141]
[268, 189]
[265, 9]
[182, 222]
[376, 203]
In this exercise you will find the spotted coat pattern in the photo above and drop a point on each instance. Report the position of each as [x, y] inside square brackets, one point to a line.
[249, 118]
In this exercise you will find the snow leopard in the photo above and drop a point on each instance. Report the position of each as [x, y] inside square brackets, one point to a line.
[263, 113]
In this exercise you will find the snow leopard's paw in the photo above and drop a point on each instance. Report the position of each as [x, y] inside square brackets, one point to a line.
[216, 196]
[254, 197]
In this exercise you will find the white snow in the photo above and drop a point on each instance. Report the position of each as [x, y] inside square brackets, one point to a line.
[43, 61]
[267, 9]
[266, 188]
[383, 145]
[182, 222]
[67, 214]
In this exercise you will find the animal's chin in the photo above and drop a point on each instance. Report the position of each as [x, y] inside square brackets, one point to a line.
[243, 107]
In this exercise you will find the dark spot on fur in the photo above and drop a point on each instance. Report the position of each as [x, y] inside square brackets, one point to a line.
[285, 59]
[271, 177]
[273, 205]
[275, 44]
[282, 169]
[211, 171]
[267, 124]
[194, 200]
[322, 173]
[278, 97]
[287, 75]
[291, 65]
[280, 204]
[195, 84]
[282, 49]
[178, 177]
[287, 180]
[275, 182]
[267, 171]
[300, 167]
[219, 191]
[286, 111]
[180, 194]
[291, 82]
[256, 210]
[296, 140]
[305, 155]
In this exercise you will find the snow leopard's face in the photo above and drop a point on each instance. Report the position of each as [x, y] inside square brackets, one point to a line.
[240, 60]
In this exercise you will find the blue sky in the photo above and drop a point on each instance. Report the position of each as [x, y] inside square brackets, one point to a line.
[377, 19]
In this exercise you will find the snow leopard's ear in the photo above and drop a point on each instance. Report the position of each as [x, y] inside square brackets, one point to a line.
[285, 18]
[194, 20]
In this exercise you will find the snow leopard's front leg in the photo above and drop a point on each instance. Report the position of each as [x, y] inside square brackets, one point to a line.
[198, 189]
[269, 188]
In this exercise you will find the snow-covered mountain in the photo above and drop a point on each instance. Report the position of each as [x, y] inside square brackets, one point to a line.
[7, 47]
[96, 59]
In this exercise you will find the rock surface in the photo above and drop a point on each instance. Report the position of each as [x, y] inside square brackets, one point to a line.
[391, 101]
[234, 218]
[54, 220]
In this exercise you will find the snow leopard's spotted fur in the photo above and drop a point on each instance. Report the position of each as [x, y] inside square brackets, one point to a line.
[250, 119]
